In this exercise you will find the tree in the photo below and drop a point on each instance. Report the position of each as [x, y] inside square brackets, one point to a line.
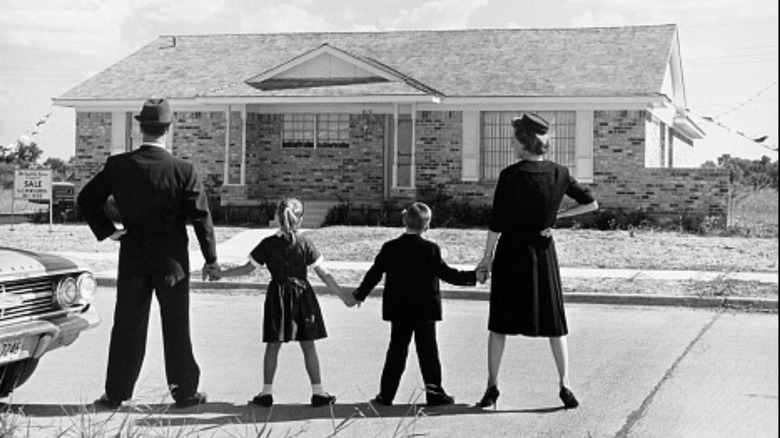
[21, 155]
[755, 174]
[24, 155]
[61, 169]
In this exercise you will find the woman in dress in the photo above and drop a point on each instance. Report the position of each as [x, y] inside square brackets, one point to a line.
[525, 293]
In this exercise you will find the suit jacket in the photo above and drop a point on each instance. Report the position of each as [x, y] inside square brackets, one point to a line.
[413, 267]
[155, 194]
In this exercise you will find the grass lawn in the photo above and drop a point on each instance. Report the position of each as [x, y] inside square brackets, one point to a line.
[640, 249]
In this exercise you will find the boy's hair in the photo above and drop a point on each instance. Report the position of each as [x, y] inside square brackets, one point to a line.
[417, 216]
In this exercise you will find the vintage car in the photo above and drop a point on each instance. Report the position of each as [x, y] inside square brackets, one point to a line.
[44, 305]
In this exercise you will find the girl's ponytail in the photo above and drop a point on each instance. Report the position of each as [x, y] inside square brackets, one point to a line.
[290, 215]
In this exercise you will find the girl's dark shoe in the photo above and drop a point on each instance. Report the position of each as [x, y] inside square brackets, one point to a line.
[107, 403]
[379, 400]
[490, 398]
[319, 400]
[568, 398]
[264, 400]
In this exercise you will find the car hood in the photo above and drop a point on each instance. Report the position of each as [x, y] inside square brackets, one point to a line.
[17, 264]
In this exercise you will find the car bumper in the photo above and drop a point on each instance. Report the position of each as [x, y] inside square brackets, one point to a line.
[33, 339]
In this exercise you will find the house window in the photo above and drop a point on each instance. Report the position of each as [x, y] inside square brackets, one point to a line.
[315, 131]
[496, 143]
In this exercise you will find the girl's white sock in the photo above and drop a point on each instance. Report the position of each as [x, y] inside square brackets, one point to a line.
[317, 389]
[268, 388]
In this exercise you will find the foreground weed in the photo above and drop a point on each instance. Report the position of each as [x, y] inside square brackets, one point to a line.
[87, 424]
[11, 424]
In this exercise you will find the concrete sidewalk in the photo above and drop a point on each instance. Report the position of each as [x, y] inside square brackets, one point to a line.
[236, 250]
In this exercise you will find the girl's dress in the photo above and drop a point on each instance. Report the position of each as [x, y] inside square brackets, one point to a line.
[292, 312]
[526, 294]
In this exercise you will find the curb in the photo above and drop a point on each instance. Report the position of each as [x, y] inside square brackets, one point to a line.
[736, 303]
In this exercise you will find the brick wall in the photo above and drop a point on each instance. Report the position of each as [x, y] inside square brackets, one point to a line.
[621, 180]
[620, 177]
[93, 145]
[355, 173]
[235, 148]
[438, 148]
[438, 157]
[199, 137]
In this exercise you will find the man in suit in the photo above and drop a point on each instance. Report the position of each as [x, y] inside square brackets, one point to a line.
[155, 194]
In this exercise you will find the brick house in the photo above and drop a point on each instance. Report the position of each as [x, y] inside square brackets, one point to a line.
[371, 117]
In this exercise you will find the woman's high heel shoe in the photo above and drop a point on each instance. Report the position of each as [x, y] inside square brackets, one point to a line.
[568, 398]
[490, 398]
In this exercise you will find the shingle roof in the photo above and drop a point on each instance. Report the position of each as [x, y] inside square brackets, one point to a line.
[568, 62]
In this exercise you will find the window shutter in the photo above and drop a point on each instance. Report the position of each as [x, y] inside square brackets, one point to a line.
[118, 132]
[584, 147]
[470, 146]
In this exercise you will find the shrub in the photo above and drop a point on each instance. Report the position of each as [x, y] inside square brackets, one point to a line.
[609, 219]
[347, 213]
[259, 214]
[449, 212]
[446, 213]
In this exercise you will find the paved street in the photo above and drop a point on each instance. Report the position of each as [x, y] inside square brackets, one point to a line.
[639, 372]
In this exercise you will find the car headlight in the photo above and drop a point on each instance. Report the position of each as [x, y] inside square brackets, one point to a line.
[87, 286]
[67, 292]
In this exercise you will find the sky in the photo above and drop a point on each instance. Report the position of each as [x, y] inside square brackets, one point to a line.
[729, 49]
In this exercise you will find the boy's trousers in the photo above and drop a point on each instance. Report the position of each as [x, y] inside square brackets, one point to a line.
[427, 353]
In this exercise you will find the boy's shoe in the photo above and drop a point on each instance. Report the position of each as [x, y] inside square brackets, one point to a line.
[264, 400]
[198, 398]
[319, 400]
[107, 403]
[436, 396]
[379, 400]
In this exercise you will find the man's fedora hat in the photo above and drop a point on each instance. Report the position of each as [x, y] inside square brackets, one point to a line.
[156, 112]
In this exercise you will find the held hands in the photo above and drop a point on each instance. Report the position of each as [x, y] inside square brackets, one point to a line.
[348, 299]
[482, 275]
[117, 235]
[483, 268]
[547, 232]
[212, 271]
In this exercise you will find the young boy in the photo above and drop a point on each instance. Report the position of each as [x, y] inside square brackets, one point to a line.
[412, 303]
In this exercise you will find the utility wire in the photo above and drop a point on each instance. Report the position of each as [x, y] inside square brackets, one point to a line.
[761, 140]
[746, 102]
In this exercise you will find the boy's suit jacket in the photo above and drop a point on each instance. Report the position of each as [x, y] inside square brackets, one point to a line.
[413, 267]
[156, 193]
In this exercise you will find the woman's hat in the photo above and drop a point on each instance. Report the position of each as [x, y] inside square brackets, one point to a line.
[532, 123]
[156, 112]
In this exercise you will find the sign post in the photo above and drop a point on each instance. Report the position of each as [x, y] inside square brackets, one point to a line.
[34, 184]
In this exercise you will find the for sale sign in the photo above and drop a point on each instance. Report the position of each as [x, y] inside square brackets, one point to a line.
[32, 184]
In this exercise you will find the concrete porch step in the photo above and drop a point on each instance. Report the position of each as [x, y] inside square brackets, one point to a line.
[315, 213]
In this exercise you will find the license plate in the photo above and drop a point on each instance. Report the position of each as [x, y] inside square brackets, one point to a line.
[10, 350]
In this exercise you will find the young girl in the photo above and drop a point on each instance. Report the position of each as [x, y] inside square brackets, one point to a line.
[292, 312]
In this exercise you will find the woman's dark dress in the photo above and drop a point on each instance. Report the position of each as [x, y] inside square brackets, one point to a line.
[525, 293]
[292, 312]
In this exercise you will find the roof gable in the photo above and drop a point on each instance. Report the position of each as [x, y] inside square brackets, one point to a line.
[321, 67]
